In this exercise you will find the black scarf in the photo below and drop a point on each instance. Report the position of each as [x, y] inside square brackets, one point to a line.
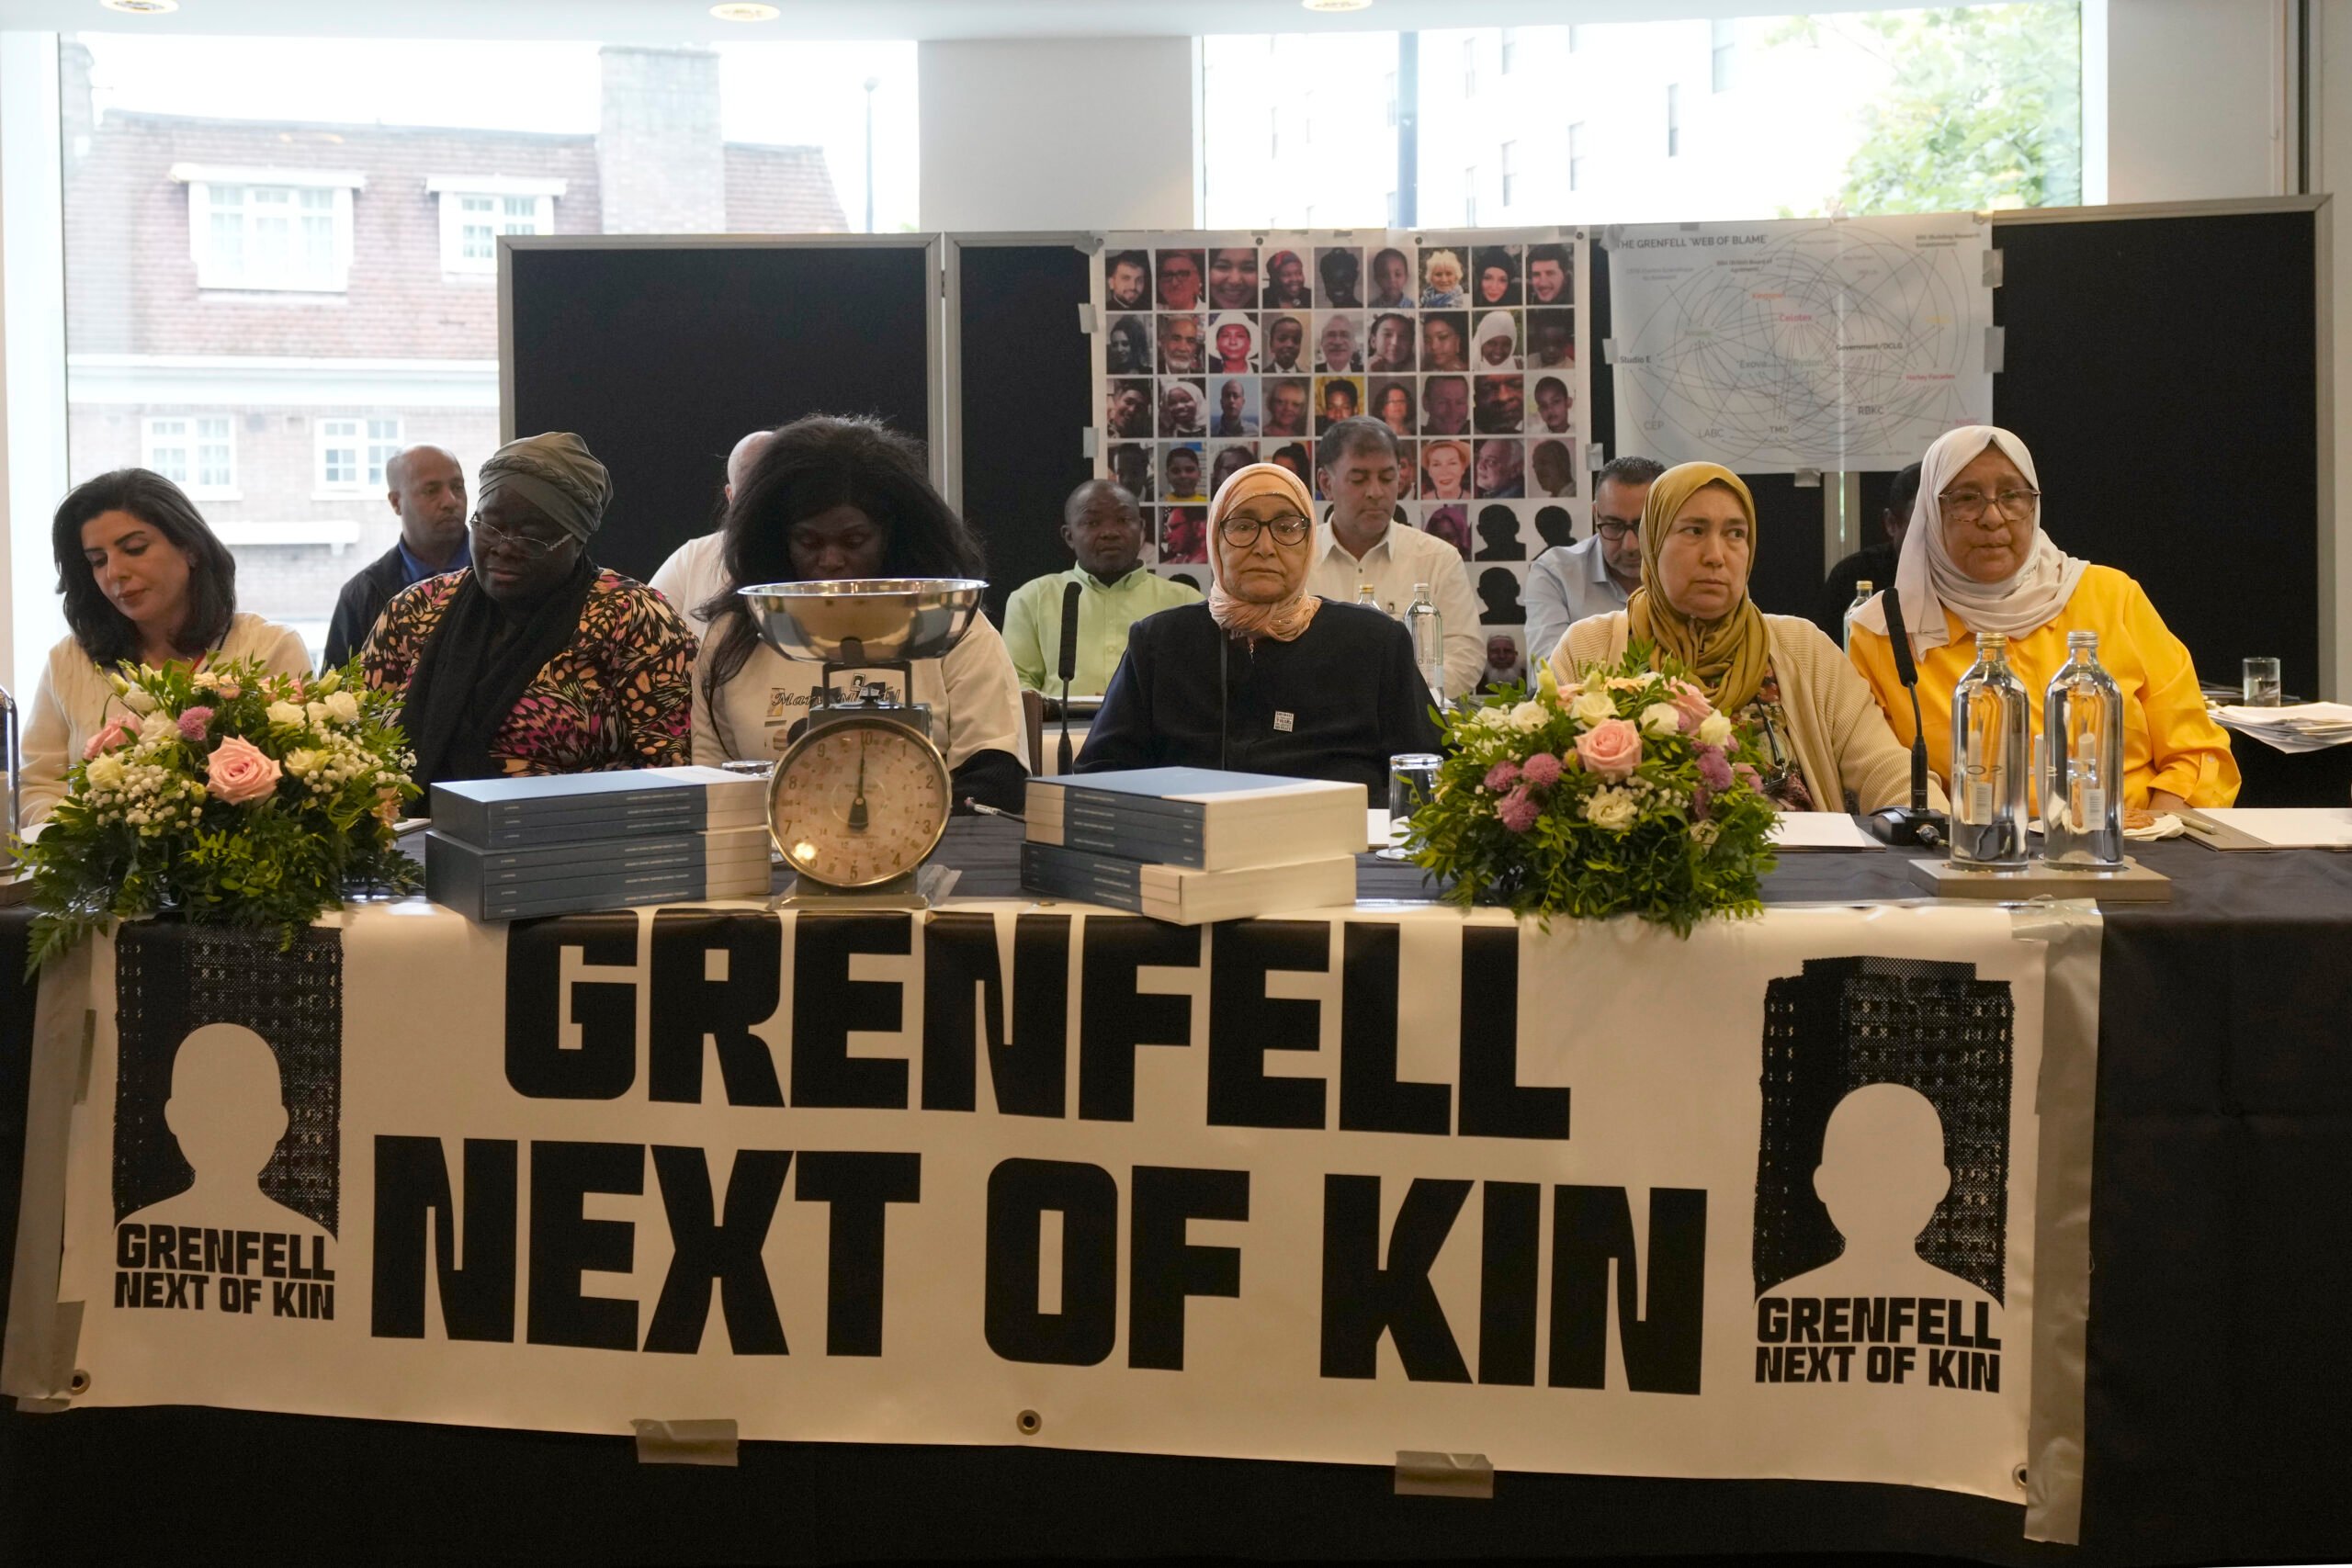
[469, 676]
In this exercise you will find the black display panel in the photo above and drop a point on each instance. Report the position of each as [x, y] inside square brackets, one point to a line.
[661, 356]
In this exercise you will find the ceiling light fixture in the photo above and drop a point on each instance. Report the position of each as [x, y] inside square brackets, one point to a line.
[141, 7]
[1335, 4]
[744, 11]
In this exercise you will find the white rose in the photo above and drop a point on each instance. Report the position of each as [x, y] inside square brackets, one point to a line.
[139, 701]
[105, 771]
[1715, 731]
[1612, 809]
[1530, 716]
[1592, 708]
[157, 727]
[302, 760]
[1660, 720]
[315, 712]
[1493, 718]
[205, 681]
[344, 706]
[285, 712]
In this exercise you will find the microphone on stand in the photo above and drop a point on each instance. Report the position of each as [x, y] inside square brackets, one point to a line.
[1913, 824]
[1069, 664]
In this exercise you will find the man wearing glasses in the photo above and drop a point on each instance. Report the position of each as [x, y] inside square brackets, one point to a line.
[1597, 575]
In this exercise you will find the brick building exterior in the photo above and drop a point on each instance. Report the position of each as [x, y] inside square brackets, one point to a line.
[266, 310]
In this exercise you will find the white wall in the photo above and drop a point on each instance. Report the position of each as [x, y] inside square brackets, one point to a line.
[2195, 107]
[33, 355]
[1059, 133]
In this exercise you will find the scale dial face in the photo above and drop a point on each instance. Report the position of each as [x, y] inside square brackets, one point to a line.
[857, 802]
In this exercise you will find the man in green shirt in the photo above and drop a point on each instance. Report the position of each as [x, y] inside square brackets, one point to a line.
[1104, 530]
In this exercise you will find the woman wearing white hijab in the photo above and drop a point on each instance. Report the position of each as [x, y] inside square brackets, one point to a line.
[1264, 678]
[1975, 559]
[1497, 342]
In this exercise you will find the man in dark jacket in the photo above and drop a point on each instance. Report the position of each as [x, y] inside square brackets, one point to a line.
[427, 489]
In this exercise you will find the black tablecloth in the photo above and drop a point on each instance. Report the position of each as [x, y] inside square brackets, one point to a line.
[2218, 1405]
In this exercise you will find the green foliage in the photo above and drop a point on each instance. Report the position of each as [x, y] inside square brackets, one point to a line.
[1523, 815]
[158, 816]
[1985, 112]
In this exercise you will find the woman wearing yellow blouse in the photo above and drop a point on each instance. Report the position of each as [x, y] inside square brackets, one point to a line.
[1976, 559]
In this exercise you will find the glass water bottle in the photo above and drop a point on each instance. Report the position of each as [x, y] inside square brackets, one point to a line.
[2082, 729]
[1366, 596]
[1862, 591]
[1992, 745]
[1421, 619]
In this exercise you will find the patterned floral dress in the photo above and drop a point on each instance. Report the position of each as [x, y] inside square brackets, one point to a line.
[620, 695]
[1783, 778]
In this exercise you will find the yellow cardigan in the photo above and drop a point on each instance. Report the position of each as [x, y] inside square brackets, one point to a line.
[2169, 741]
[1841, 741]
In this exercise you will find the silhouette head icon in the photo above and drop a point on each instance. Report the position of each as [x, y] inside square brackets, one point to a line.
[228, 1107]
[1883, 1171]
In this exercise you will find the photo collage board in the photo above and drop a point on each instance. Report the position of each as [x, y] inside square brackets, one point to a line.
[1214, 351]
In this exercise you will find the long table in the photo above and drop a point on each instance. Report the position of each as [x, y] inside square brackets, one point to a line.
[2217, 1397]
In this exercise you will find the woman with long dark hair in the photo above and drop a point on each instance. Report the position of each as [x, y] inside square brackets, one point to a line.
[848, 498]
[146, 582]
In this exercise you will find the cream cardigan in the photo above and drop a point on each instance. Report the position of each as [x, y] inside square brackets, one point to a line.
[74, 700]
[1842, 742]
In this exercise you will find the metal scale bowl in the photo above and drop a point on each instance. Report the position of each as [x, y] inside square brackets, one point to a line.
[858, 801]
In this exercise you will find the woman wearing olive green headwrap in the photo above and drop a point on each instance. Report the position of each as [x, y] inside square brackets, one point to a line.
[1812, 716]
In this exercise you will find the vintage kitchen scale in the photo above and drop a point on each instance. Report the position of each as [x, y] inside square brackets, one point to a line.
[861, 798]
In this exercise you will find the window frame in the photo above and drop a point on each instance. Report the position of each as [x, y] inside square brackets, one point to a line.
[450, 192]
[364, 444]
[1576, 155]
[1674, 120]
[215, 275]
[1509, 162]
[152, 443]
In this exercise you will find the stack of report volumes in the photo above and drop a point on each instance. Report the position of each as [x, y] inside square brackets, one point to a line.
[1192, 845]
[507, 848]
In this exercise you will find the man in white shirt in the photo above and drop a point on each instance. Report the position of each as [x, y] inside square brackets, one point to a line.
[1359, 541]
[695, 573]
[1597, 575]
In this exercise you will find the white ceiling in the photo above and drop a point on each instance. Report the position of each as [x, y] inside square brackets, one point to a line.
[674, 21]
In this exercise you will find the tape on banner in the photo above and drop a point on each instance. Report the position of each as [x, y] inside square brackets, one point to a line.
[1805, 479]
[1993, 268]
[685, 1442]
[1090, 441]
[1609, 350]
[1995, 348]
[1596, 456]
[1427, 1475]
[1085, 318]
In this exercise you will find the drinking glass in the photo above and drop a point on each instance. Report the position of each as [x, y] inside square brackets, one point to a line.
[1412, 776]
[2262, 687]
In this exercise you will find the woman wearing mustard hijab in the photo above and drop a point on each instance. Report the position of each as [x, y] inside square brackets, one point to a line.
[1264, 678]
[1811, 713]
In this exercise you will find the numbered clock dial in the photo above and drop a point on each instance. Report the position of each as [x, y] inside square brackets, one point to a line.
[856, 803]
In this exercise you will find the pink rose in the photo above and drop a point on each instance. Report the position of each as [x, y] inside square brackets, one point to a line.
[1503, 774]
[1690, 701]
[1543, 770]
[1611, 749]
[1714, 769]
[193, 721]
[107, 739]
[1517, 810]
[241, 771]
[231, 691]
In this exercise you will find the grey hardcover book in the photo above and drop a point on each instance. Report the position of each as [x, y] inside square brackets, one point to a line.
[513, 812]
[1186, 896]
[1198, 817]
[713, 865]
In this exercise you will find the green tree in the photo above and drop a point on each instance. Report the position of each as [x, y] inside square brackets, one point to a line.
[1985, 111]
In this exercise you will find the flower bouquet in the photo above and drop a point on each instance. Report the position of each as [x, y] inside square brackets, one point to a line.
[1624, 793]
[237, 796]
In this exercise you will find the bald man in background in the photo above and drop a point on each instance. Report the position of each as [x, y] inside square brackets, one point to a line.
[426, 491]
[1104, 530]
[694, 574]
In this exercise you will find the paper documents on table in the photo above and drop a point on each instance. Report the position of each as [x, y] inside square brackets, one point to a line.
[2300, 727]
[1820, 830]
[2316, 828]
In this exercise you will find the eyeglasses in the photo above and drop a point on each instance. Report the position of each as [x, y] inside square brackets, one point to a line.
[1610, 529]
[1242, 532]
[487, 534]
[1968, 505]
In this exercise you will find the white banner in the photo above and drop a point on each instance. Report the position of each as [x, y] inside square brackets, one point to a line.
[1845, 343]
[1757, 1204]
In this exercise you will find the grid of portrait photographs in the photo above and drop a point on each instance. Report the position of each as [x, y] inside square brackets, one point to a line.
[1220, 352]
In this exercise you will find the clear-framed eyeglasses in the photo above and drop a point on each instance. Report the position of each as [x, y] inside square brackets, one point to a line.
[489, 534]
[1242, 532]
[1968, 505]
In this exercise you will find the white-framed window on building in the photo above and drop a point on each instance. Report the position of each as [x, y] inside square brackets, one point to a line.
[1273, 133]
[1576, 156]
[1510, 174]
[1470, 68]
[268, 229]
[1726, 56]
[196, 452]
[353, 451]
[1388, 93]
[1509, 53]
[1392, 209]
[1470, 194]
[1673, 120]
[477, 210]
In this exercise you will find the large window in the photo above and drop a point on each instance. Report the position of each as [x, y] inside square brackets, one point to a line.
[278, 250]
[1949, 108]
